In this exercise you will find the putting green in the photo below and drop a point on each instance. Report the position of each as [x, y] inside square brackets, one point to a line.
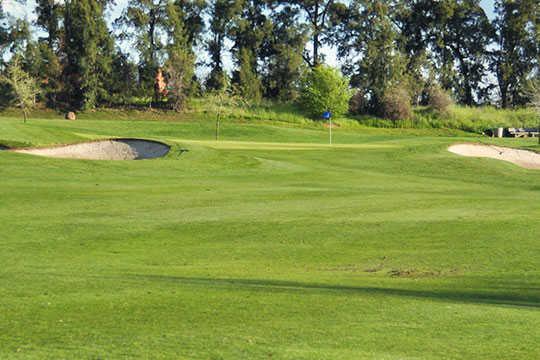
[268, 244]
[254, 145]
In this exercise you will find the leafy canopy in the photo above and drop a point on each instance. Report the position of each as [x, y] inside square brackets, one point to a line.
[325, 89]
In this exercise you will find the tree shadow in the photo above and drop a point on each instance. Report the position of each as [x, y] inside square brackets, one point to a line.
[475, 297]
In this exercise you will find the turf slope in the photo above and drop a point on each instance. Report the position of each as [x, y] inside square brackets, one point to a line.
[267, 245]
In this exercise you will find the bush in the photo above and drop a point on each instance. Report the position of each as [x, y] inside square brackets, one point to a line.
[358, 103]
[325, 89]
[396, 104]
[439, 100]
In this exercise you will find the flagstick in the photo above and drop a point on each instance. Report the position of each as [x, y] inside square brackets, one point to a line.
[330, 120]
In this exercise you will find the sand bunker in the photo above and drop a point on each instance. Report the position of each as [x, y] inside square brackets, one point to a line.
[523, 158]
[113, 149]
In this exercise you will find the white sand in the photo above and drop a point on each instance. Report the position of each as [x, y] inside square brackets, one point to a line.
[114, 149]
[523, 158]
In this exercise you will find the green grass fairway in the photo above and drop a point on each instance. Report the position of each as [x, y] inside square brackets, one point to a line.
[267, 245]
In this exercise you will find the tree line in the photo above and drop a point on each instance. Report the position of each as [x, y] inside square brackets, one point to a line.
[153, 50]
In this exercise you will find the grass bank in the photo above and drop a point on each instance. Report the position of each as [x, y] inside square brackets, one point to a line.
[459, 118]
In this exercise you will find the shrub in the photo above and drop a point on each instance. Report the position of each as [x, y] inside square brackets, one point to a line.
[325, 89]
[396, 104]
[358, 103]
[439, 100]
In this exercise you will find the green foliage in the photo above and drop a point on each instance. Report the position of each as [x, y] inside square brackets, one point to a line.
[518, 34]
[372, 34]
[249, 85]
[19, 34]
[50, 73]
[141, 22]
[461, 34]
[32, 59]
[466, 118]
[319, 13]
[536, 98]
[181, 60]
[284, 63]
[380, 45]
[358, 103]
[153, 25]
[390, 43]
[23, 85]
[89, 52]
[250, 33]
[447, 39]
[123, 81]
[4, 34]
[217, 79]
[179, 69]
[49, 15]
[325, 89]
[222, 14]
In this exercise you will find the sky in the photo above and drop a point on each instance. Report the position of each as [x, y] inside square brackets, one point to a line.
[15, 7]
[488, 6]
[24, 8]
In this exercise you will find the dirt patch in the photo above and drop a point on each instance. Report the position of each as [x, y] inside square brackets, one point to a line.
[523, 158]
[112, 149]
[412, 273]
[415, 273]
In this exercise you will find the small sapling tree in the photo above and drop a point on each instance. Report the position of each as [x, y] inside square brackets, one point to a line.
[24, 86]
[224, 99]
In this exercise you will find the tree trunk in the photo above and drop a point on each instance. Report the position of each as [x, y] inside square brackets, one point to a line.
[504, 96]
[25, 116]
[469, 101]
[151, 37]
[316, 48]
[316, 36]
[503, 85]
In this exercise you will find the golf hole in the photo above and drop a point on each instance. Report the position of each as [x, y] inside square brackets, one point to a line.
[111, 149]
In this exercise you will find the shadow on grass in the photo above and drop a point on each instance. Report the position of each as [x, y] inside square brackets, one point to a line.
[500, 298]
